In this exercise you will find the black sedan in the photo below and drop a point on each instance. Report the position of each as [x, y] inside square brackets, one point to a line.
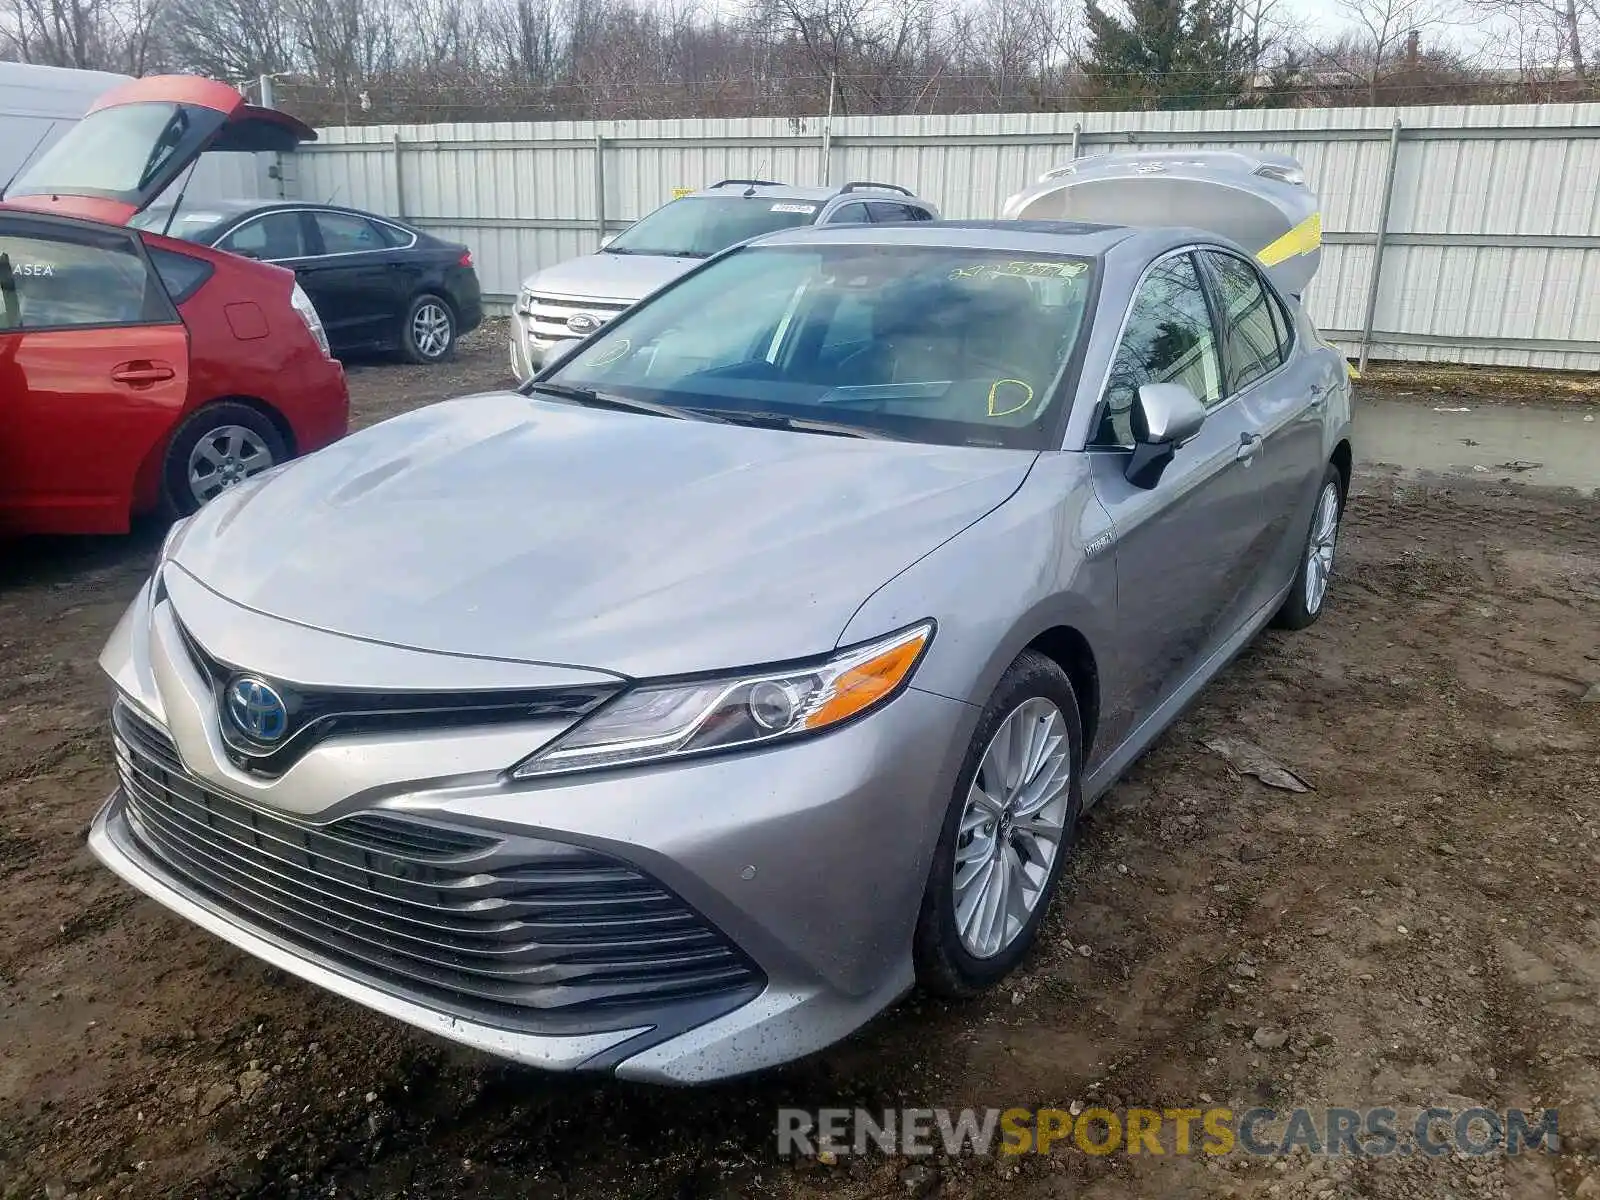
[378, 283]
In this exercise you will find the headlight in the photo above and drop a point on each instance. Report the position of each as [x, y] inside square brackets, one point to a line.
[665, 721]
[525, 301]
[308, 314]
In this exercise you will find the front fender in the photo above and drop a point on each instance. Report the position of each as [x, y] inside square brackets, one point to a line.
[1028, 567]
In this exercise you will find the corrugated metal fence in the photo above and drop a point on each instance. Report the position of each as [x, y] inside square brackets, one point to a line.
[1452, 234]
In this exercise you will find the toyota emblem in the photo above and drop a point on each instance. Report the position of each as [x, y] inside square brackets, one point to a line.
[256, 709]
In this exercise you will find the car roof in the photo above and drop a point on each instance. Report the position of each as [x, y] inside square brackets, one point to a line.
[1040, 237]
[230, 208]
[784, 191]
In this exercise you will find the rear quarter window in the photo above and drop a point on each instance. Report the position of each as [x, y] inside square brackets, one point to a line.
[181, 275]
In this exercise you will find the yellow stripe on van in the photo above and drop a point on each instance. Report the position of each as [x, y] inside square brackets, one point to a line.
[1302, 239]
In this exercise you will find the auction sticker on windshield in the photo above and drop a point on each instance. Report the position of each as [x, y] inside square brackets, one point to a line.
[794, 208]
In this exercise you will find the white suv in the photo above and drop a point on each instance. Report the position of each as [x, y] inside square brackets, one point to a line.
[575, 298]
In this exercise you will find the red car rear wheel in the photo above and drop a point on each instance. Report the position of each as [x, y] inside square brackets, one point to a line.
[217, 447]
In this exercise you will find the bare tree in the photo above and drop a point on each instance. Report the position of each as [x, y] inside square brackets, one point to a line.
[105, 35]
[1547, 32]
[1382, 28]
[231, 39]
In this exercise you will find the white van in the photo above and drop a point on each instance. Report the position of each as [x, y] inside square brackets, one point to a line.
[39, 104]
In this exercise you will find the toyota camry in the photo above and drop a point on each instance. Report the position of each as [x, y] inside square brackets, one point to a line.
[675, 714]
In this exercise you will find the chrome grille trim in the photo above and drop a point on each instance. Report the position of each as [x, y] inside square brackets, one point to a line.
[318, 713]
[547, 313]
[513, 928]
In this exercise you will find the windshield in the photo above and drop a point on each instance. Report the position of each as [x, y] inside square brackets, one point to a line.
[121, 153]
[936, 344]
[700, 226]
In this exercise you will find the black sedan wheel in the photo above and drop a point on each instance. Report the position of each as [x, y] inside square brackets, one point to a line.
[429, 334]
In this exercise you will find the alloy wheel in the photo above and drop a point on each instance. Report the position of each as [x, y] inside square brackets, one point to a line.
[223, 457]
[1012, 827]
[430, 329]
[1319, 551]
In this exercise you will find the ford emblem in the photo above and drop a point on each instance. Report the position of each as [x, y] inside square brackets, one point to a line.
[582, 324]
[257, 710]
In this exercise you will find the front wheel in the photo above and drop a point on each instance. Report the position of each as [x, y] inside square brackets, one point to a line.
[1007, 832]
[1303, 605]
[429, 332]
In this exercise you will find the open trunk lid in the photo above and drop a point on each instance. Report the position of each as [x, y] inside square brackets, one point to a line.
[1258, 200]
[138, 138]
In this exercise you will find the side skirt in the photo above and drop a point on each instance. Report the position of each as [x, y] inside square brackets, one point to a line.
[1147, 731]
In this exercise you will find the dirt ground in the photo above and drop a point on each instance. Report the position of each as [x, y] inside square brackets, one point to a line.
[1424, 923]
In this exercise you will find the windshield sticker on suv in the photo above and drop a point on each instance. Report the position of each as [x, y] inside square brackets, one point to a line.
[997, 396]
[1038, 269]
[794, 208]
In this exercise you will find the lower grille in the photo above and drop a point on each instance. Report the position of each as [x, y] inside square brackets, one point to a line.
[520, 930]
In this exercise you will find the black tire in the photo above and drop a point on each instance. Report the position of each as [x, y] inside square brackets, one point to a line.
[944, 966]
[1298, 611]
[178, 497]
[414, 341]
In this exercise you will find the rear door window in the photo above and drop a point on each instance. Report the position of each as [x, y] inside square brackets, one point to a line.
[887, 213]
[343, 233]
[1251, 344]
[60, 278]
[271, 237]
[850, 214]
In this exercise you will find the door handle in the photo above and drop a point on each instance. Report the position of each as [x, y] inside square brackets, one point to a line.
[142, 374]
[1249, 445]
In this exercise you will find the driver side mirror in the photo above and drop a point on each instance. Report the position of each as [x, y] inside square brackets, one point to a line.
[1164, 416]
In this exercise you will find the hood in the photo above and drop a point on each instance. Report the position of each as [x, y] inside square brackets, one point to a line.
[610, 276]
[138, 138]
[509, 527]
[1259, 200]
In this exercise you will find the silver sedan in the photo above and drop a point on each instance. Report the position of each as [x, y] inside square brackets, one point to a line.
[674, 715]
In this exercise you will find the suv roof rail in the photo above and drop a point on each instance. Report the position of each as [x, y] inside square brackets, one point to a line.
[747, 182]
[862, 185]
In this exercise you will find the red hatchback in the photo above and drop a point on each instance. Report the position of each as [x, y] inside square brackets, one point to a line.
[140, 372]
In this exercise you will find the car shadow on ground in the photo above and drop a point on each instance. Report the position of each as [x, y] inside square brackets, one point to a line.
[59, 561]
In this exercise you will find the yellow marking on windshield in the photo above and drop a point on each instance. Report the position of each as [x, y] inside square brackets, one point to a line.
[994, 388]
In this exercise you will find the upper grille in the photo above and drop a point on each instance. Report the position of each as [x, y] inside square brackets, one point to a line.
[547, 315]
[315, 714]
[518, 931]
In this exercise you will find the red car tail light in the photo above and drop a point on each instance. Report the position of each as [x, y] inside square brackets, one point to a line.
[466, 258]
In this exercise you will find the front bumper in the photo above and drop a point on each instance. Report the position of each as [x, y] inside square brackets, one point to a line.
[527, 347]
[809, 859]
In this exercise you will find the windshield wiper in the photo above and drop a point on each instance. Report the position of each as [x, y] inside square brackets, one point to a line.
[771, 420]
[590, 398]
